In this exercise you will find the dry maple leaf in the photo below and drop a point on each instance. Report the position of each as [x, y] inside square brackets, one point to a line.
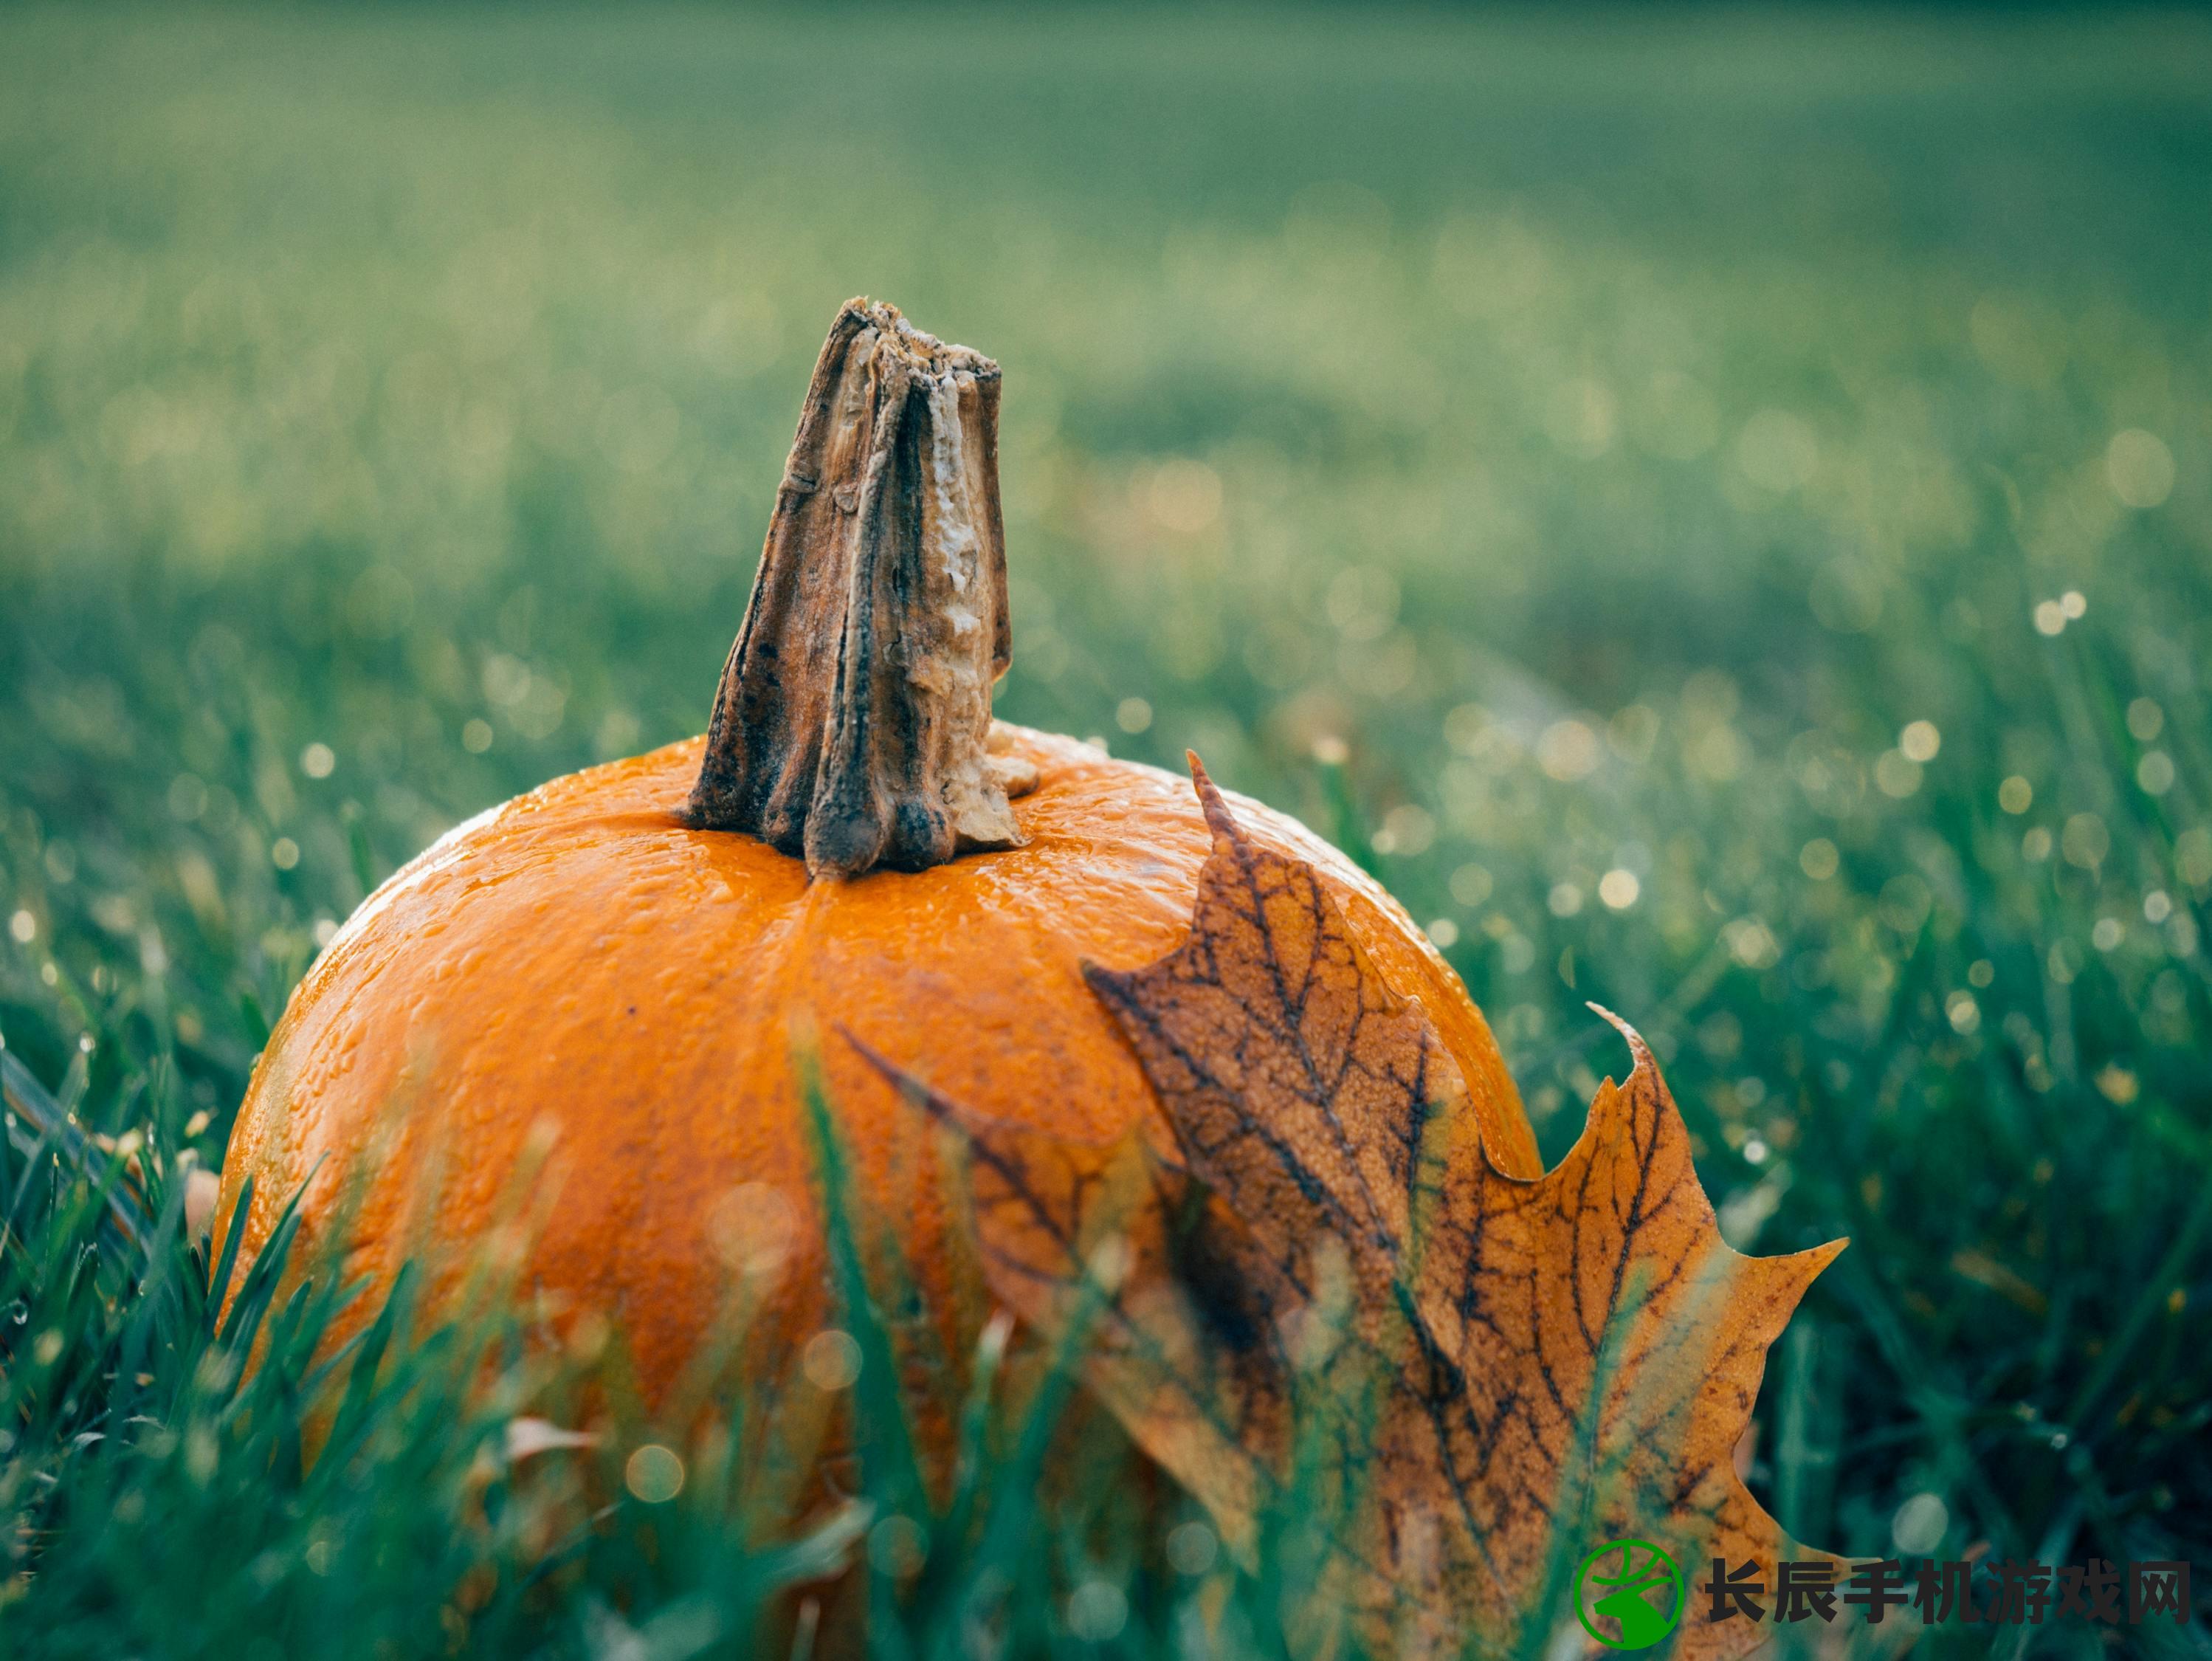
[1317, 1304]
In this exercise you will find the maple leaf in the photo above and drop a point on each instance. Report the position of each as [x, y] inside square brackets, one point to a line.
[1317, 1304]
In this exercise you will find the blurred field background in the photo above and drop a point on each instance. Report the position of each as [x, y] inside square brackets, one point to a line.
[1714, 507]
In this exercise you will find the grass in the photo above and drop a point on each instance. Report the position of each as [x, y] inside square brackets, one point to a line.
[1717, 508]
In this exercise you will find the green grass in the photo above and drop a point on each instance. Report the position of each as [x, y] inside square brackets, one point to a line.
[1616, 432]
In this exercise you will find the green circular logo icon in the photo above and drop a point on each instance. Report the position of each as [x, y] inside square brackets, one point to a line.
[1628, 1594]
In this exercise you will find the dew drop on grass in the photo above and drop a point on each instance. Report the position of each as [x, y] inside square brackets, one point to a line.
[831, 1360]
[2139, 467]
[897, 1547]
[1192, 1548]
[1097, 1612]
[654, 1474]
[1919, 1525]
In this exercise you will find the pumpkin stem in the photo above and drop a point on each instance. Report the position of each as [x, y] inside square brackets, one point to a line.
[853, 725]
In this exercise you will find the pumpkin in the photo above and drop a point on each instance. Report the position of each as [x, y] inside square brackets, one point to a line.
[608, 974]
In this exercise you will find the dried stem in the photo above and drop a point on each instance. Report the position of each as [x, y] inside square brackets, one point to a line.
[853, 724]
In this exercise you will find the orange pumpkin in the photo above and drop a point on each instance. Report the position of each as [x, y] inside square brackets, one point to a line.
[615, 965]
